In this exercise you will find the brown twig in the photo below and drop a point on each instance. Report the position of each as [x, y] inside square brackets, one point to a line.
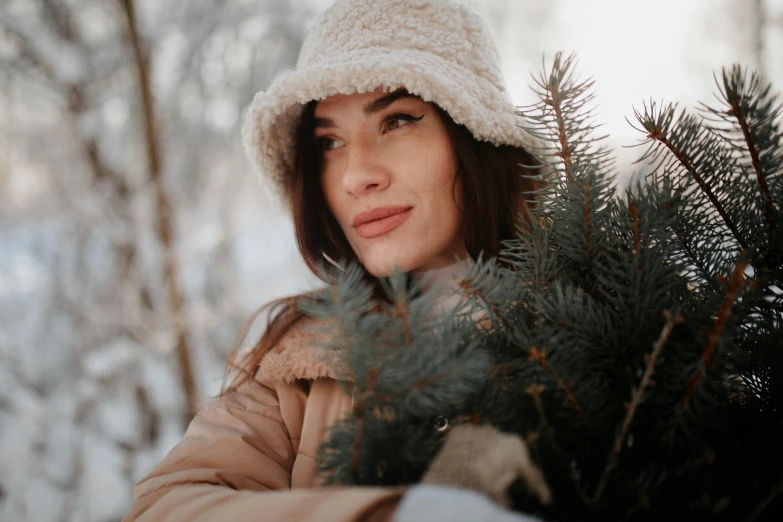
[540, 357]
[163, 209]
[535, 391]
[470, 290]
[733, 287]
[632, 407]
[657, 134]
[761, 177]
[565, 150]
[692, 255]
[360, 404]
[402, 312]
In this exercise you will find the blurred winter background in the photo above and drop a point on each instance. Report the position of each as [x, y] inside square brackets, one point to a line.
[134, 240]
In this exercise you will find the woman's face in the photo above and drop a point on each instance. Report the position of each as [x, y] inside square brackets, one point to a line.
[390, 150]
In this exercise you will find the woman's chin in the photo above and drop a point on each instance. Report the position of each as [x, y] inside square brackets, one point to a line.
[383, 267]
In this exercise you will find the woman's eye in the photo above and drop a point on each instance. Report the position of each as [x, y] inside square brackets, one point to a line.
[325, 143]
[389, 120]
[390, 123]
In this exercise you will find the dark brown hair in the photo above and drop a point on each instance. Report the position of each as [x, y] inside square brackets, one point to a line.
[493, 198]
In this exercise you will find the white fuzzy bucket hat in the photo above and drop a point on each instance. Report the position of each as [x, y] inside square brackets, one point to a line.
[439, 50]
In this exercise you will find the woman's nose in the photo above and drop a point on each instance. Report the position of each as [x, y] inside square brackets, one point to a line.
[364, 171]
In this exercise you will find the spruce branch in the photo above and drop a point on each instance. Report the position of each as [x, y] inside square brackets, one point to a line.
[539, 356]
[565, 350]
[761, 175]
[634, 211]
[532, 255]
[477, 284]
[368, 395]
[692, 257]
[401, 312]
[733, 287]
[580, 196]
[672, 320]
[535, 390]
[395, 288]
[753, 115]
[586, 216]
[563, 120]
[358, 415]
[581, 330]
[693, 147]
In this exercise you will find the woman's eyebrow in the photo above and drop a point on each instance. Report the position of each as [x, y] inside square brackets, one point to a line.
[371, 108]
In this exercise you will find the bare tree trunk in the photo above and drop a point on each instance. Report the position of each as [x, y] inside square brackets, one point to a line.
[57, 19]
[164, 221]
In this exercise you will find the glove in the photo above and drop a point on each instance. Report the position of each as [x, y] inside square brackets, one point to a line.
[484, 459]
[431, 503]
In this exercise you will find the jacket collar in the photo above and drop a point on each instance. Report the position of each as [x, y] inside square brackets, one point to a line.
[300, 354]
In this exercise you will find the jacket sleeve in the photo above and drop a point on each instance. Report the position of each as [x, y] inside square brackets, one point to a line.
[234, 463]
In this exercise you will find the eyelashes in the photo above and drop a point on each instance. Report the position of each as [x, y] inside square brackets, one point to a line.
[400, 116]
[322, 141]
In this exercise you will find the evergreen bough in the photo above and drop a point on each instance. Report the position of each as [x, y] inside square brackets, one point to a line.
[634, 341]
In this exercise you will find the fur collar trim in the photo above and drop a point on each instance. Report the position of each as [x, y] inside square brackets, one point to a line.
[300, 354]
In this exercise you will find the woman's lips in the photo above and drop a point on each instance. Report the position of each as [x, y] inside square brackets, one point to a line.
[382, 226]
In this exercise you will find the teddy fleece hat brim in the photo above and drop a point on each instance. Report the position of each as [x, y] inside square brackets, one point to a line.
[269, 130]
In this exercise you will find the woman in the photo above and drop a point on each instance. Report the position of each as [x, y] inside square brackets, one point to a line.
[395, 143]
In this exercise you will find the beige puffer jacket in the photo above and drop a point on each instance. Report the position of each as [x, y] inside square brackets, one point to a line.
[250, 456]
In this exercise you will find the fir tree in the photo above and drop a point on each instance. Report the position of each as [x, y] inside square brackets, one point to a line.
[634, 341]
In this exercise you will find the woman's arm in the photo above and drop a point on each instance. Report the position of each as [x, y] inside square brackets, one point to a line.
[234, 463]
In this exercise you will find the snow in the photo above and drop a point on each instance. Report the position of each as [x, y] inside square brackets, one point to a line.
[43, 501]
[21, 274]
[63, 58]
[111, 360]
[103, 482]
